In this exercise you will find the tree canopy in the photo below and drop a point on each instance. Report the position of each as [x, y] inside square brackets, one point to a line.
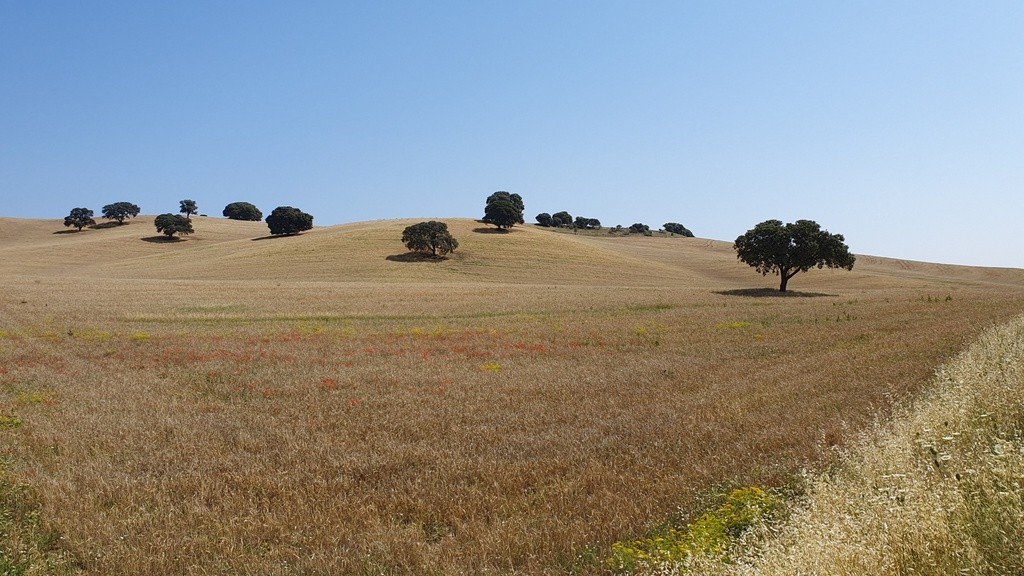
[188, 208]
[786, 249]
[584, 223]
[243, 211]
[288, 221]
[79, 218]
[171, 224]
[678, 229]
[561, 219]
[504, 210]
[639, 228]
[430, 237]
[120, 211]
[544, 219]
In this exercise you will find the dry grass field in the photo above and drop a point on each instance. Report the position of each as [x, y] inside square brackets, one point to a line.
[936, 491]
[320, 404]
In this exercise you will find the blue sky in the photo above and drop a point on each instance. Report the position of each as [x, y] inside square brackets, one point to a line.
[897, 124]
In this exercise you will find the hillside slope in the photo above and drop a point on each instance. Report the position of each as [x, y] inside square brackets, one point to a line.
[228, 250]
[516, 407]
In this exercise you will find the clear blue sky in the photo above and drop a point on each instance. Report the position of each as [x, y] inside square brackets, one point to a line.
[898, 124]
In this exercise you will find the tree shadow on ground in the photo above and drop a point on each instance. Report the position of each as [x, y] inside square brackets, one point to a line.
[414, 257]
[770, 293]
[105, 225]
[67, 231]
[275, 236]
[162, 239]
[491, 231]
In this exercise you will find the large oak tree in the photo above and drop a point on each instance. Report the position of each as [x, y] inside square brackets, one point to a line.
[786, 249]
[288, 221]
[171, 224]
[430, 237]
[243, 211]
[79, 218]
[120, 211]
[504, 210]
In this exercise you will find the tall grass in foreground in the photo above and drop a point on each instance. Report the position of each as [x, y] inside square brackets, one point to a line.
[27, 545]
[940, 491]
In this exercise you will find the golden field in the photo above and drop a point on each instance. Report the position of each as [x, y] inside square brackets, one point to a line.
[320, 404]
[937, 490]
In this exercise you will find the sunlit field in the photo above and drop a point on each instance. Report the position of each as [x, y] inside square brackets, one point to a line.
[935, 491]
[232, 403]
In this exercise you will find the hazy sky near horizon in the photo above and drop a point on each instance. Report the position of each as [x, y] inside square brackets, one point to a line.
[898, 124]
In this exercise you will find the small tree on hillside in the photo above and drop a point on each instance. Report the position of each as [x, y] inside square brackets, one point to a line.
[677, 229]
[504, 210]
[288, 221]
[430, 237]
[544, 219]
[639, 228]
[561, 219]
[171, 224]
[243, 211]
[585, 223]
[786, 249]
[188, 208]
[79, 218]
[120, 211]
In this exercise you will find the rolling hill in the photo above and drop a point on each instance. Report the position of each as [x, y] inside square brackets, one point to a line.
[323, 404]
[228, 250]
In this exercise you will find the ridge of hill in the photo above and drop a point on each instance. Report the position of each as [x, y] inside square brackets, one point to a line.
[229, 250]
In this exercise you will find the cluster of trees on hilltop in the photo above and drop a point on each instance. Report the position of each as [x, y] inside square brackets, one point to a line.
[284, 220]
[565, 220]
[502, 209]
[677, 229]
[120, 211]
[170, 224]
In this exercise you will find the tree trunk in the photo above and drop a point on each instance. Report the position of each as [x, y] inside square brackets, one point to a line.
[785, 279]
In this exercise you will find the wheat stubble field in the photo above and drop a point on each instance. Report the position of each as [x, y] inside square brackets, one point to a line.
[236, 404]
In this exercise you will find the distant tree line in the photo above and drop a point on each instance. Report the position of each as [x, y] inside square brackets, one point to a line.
[564, 219]
[677, 229]
[284, 220]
